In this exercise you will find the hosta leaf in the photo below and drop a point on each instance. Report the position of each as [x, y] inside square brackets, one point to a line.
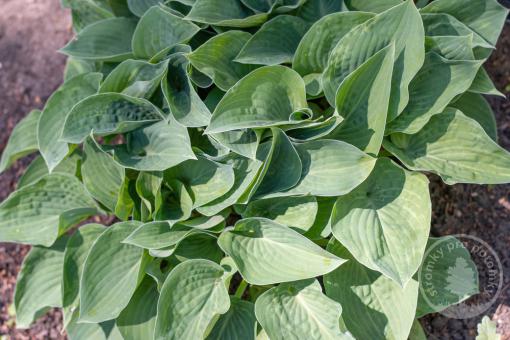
[139, 7]
[363, 99]
[417, 332]
[315, 130]
[148, 186]
[282, 166]
[38, 169]
[199, 246]
[313, 10]
[110, 274]
[192, 296]
[135, 78]
[321, 227]
[125, 204]
[238, 323]
[184, 103]
[401, 24]
[106, 114]
[475, 106]
[267, 252]
[312, 54]
[75, 67]
[86, 12]
[207, 180]
[23, 140]
[485, 17]
[387, 308]
[158, 235]
[102, 177]
[245, 172]
[375, 6]
[159, 29]
[76, 252]
[105, 40]
[296, 212]
[331, 168]
[39, 212]
[436, 84]
[275, 42]
[215, 58]
[174, 203]
[284, 96]
[156, 147]
[453, 146]
[447, 276]
[38, 286]
[385, 222]
[298, 310]
[487, 330]
[451, 47]
[259, 5]
[441, 24]
[483, 84]
[229, 13]
[244, 142]
[98, 331]
[138, 319]
[51, 122]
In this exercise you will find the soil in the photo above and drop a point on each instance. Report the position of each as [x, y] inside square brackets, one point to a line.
[31, 31]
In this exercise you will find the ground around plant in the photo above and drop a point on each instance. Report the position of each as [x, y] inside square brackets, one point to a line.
[31, 31]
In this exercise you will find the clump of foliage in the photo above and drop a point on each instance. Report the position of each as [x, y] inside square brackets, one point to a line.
[264, 159]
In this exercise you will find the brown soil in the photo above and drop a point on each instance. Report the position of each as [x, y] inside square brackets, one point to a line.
[30, 69]
[31, 31]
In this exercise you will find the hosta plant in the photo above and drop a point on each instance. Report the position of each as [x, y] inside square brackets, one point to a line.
[264, 162]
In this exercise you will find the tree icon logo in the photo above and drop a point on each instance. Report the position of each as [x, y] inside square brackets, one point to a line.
[460, 277]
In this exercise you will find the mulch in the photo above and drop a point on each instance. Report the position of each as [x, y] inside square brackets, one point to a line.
[30, 70]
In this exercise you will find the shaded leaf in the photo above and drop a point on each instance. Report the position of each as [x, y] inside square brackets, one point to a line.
[298, 310]
[475, 106]
[401, 24]
[371, 294]
[138, 319]
[436, 84]
[238, 323]
[207, 180]
[363, 100]
[452, 146]
[385, 222]
[184, 103]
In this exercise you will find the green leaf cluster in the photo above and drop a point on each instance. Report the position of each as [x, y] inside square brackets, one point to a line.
[264, 161]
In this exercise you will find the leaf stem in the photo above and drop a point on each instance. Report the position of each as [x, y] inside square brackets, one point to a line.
[240, 290]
